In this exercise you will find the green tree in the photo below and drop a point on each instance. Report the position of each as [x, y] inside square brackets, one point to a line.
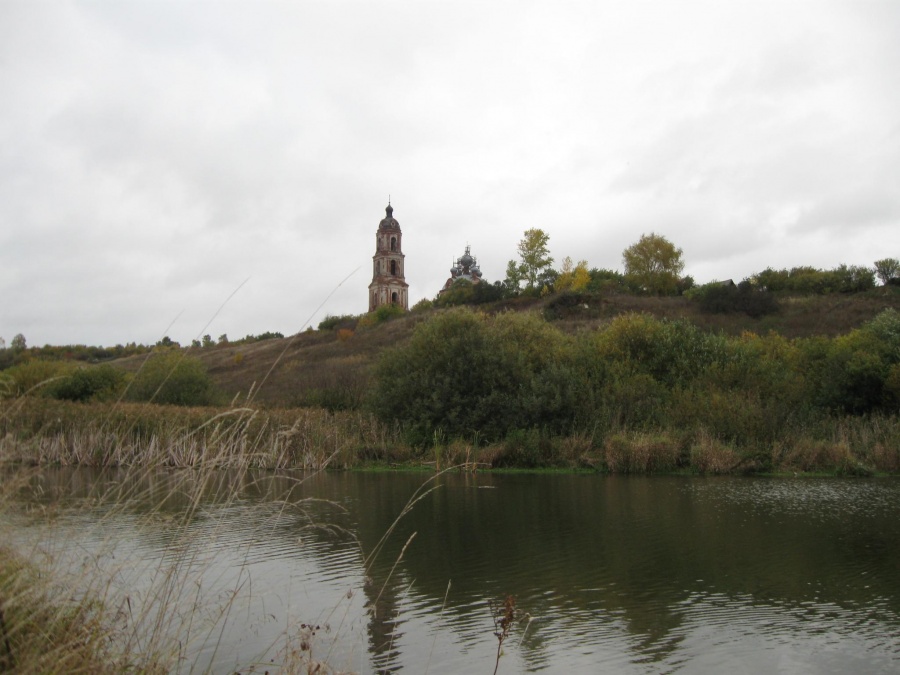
[654, 264]
[535, 256]
[18, 342]
[515, 275]
[887, 269]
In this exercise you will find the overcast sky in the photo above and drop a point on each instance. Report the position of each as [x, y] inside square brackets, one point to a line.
[156, 155]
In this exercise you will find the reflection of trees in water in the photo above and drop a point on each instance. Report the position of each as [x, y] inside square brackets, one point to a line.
[584, 551]
[587, 555]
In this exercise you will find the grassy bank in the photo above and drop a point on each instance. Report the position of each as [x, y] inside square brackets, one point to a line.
[36, 431]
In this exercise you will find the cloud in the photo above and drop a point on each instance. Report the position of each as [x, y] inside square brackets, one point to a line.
[155, 155]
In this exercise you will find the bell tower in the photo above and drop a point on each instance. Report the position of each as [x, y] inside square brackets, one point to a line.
[388, 285]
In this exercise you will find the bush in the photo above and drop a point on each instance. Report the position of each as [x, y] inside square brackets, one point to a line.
[843, 279]
[35, 376]
[723, 298]
[854, 373]
[422, 305]
[380, 315]
[464, 292]
[169, 377]
[672, 352]
[466, 373]
[100, 383]
[342, 321]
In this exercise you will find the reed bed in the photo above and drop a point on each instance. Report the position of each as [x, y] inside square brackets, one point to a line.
[35, 431]
[66, 609]
[41, 431]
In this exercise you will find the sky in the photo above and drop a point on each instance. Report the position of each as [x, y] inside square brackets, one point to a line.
[190, 168]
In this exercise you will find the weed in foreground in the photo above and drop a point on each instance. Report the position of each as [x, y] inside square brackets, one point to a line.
[505, 616]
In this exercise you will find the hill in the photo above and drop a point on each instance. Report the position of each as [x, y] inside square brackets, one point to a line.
[331, 367]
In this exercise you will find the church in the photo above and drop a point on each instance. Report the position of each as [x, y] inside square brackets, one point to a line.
[388, 285]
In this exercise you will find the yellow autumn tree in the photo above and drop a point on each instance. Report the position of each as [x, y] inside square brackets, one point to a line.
[573, 277]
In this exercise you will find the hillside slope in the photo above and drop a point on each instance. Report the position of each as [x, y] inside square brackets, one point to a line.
[331, 367]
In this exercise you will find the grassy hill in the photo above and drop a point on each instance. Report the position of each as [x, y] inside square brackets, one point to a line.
[331, 367]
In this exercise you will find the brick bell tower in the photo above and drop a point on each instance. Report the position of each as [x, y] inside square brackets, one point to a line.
[388, 285]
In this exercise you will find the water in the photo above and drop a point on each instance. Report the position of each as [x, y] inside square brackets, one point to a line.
[619, 574]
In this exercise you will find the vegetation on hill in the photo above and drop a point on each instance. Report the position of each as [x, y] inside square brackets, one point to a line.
[779, 358]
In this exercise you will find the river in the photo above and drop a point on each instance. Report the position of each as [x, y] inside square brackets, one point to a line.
[612, 574]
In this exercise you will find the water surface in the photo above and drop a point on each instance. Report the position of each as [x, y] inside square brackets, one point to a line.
[618, 574]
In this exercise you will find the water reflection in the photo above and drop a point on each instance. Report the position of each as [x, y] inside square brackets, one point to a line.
[643, 574]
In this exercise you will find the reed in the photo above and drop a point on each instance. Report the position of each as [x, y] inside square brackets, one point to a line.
[56, 432]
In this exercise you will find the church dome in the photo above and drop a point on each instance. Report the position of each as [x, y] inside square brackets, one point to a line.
[389, 222]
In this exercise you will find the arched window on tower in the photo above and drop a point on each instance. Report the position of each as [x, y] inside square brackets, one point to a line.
[393, 267]
[394, 298]
[393, 243]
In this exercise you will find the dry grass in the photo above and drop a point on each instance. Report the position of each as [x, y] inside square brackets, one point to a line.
[641, 453]
[42, 431]
[709, 455]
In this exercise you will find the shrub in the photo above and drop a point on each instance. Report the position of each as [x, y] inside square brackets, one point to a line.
[422, 305]
[342, 321]
[854, 373]
[100, 383]
[380, 315]
[169, 377]
[35, 376]
[720, 298]
[672, 352]
[466, 373]
[464, 292]
[843, 279]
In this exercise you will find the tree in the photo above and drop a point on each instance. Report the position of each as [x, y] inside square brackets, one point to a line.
[654, 264]
[535, 256]
[18, 342]
[573, 277]
[887, 269]
[207, 341]
[515, 275]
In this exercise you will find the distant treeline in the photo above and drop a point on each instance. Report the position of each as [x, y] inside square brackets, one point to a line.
[13, 355]
[18, 352]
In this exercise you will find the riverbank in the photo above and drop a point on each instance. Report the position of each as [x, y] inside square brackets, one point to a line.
[37, 431]
[47, 627]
